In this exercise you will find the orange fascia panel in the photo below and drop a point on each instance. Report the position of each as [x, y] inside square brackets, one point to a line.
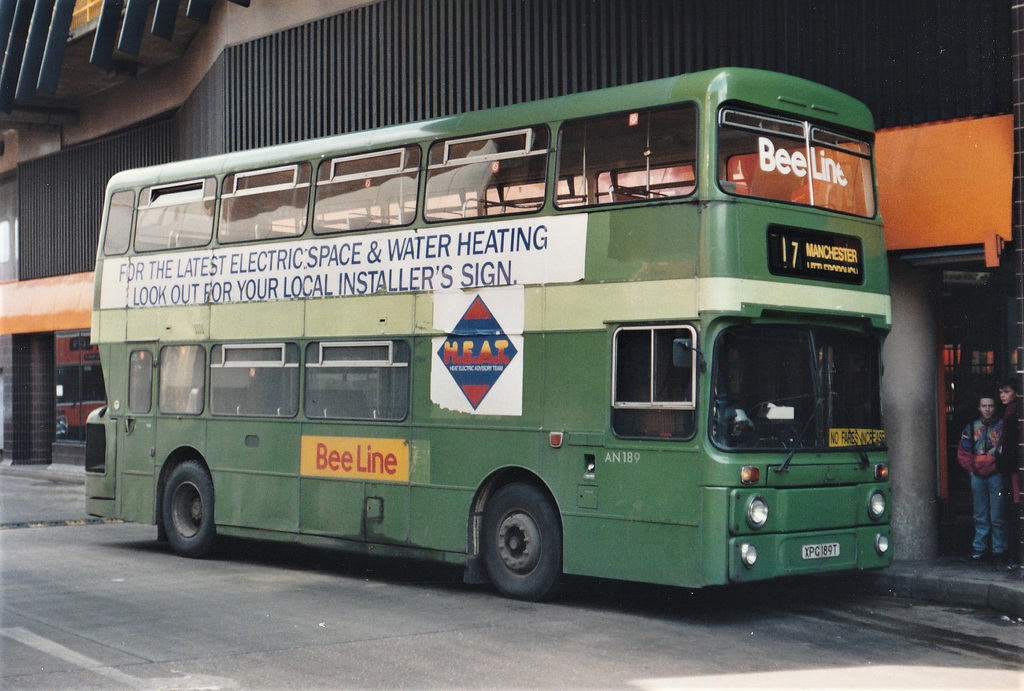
[946, 184]
[46, 304]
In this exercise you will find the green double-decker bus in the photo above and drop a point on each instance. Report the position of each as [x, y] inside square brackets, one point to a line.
[632, 333]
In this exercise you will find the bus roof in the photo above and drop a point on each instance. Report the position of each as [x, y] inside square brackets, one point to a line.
[772, 90]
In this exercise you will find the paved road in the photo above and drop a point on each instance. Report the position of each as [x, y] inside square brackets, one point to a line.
[106, 606]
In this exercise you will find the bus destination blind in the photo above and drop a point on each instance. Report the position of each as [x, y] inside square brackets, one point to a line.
[814, 255]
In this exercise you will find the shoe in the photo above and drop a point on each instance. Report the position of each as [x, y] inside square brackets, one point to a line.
[1004, 563]
[977, 558]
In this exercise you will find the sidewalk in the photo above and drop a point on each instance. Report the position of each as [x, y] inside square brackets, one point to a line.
[55, 472]
[943, 579]
[954, 582]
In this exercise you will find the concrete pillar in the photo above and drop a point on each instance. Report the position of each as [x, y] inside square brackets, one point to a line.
[910, 407]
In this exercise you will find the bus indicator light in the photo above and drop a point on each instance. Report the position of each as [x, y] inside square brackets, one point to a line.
[750, 474]
[748, 555]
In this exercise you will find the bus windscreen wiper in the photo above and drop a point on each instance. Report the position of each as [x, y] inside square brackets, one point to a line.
[784, 466]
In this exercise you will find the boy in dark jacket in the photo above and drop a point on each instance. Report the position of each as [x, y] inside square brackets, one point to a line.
[1008, 461]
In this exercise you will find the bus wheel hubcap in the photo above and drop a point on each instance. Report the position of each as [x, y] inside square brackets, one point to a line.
[519, 543]
[187, 510]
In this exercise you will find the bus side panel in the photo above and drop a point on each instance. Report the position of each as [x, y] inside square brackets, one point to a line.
[631, 550]
[576, 385]
[386, 512]
[714, 528]
[331, 507]
[174, 433]
[101, 445]
[255, 467]
[136, 496]
[645, 242]
[438, 517]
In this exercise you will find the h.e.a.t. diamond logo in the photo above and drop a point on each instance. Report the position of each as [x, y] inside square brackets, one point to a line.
[476, 352]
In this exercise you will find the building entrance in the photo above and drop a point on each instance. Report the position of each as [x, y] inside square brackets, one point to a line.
[976, 357]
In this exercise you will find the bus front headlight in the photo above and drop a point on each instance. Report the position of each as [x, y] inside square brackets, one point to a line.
[757, 512]
[876, 505]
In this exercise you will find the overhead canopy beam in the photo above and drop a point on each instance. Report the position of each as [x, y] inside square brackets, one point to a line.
[35, 46]
[34, 36]
[15, 53]
[134, 24]
[164, 17]
[56, 44]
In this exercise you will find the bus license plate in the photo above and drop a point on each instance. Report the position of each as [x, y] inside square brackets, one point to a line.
[826, 550]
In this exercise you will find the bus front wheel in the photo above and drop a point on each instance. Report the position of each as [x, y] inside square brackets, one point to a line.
[188, 510]
[522, 542]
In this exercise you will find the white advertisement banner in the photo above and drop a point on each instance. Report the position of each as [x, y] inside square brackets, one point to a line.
[502, 252]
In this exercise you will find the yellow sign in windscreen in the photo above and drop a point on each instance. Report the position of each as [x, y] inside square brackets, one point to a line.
[356, 458]
[856, 437]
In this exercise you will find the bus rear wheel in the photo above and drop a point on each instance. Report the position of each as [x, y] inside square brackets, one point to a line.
[187, 508]
[522, 542]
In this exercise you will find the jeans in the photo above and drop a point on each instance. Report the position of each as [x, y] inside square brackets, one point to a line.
[989, 513]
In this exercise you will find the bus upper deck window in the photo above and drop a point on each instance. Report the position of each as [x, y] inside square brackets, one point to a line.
[625, 157]
[264, 204]
[367, 191]
[117, 234]
[794, 161]
[487, 175]
[179, 214]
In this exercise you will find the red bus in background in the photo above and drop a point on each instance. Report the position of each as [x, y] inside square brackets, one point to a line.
[79, 384]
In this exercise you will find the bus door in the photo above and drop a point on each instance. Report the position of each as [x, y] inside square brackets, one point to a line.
[132, 409]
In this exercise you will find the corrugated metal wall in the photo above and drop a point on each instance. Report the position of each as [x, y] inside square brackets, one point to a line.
[199, 123]
[61, 198]
[402, 60]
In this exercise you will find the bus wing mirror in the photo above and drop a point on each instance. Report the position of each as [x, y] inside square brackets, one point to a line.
[684, 354]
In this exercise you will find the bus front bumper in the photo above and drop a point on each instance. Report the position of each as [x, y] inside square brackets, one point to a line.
[763, 556]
